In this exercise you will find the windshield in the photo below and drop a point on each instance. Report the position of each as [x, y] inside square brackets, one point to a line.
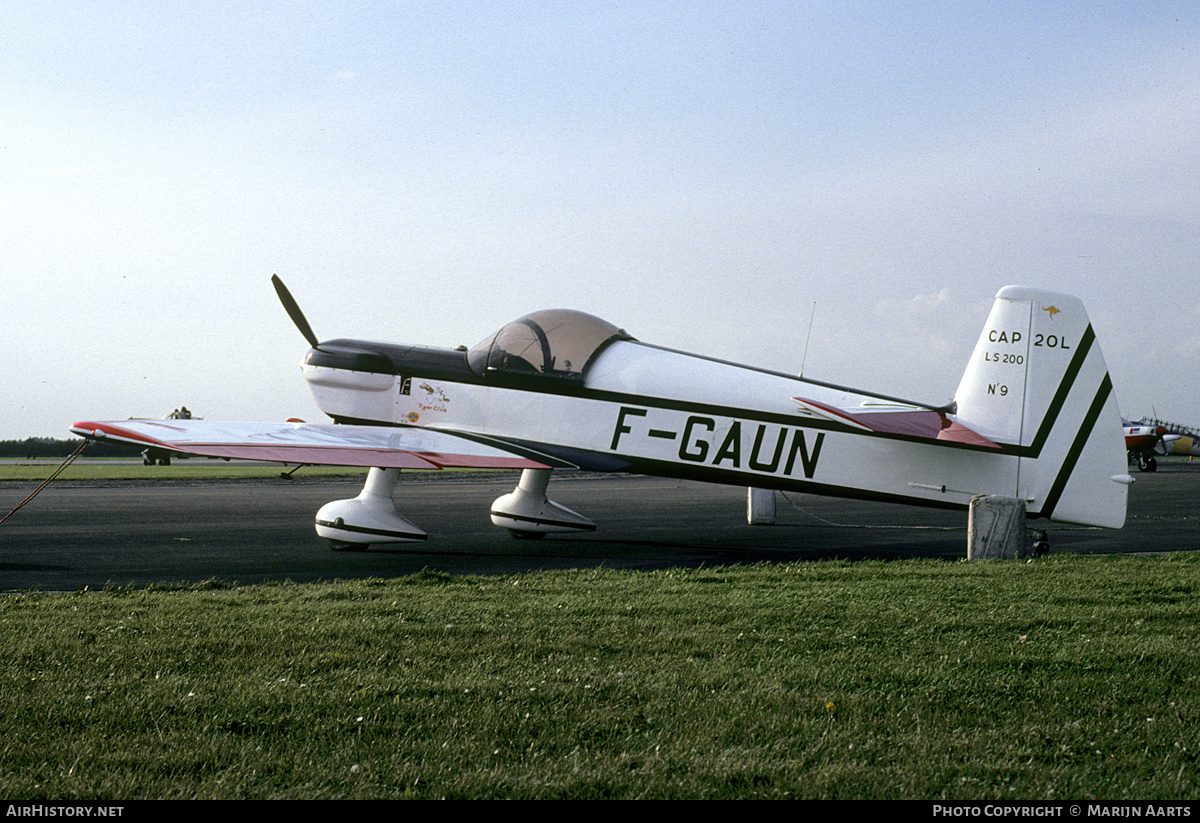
[558, 343]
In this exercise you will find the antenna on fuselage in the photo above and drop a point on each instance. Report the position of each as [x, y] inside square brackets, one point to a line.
[807, 337]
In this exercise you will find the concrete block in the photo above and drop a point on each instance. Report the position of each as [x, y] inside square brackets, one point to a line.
[760, 507]
[996, 528]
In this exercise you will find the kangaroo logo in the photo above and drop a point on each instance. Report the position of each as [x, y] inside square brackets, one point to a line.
[1051, 310]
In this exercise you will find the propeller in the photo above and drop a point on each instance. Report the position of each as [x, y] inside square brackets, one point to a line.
[293, 309]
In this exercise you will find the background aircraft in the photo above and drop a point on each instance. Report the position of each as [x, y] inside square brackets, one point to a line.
[1034, 418]
[1141, 441]
[1176, 439]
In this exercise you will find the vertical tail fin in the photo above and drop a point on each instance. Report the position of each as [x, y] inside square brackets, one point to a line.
[1037, 384]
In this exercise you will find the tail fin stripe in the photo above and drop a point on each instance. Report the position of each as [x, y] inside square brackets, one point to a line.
[1081, 439]
[1060, 397]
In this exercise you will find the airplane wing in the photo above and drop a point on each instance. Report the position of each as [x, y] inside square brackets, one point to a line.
[382, 447]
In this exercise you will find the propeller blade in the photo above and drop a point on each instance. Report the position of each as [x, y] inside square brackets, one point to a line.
[293, 309]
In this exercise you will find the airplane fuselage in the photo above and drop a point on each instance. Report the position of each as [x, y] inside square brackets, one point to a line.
[658, 411]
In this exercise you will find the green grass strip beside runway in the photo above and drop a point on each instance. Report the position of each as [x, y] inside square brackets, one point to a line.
[1063, 678]
[185, 470]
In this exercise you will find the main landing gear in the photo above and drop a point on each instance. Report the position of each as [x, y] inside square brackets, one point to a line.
[529, 515]
[353, 525]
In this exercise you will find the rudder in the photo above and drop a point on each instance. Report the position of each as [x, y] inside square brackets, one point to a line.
[1037, 384]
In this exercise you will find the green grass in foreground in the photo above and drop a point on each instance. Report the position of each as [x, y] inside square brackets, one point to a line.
[1065, 678]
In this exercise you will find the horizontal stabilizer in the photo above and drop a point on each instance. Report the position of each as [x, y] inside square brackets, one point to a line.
[920, 424]
[316, 444]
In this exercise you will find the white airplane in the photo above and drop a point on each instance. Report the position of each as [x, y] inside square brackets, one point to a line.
[1034, 418]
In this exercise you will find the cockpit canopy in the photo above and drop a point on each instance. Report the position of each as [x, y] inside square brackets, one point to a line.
[555, 343]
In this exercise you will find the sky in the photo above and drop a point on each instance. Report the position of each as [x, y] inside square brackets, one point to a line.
[708, 176]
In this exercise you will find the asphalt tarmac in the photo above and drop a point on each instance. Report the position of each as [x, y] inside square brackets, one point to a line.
[77, 535]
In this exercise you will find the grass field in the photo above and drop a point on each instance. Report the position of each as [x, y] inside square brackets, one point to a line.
[192, 469]
[1066, 678]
